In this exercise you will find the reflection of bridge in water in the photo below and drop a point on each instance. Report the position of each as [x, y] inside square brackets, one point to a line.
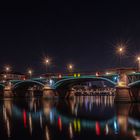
[122, 82]
[82, 113]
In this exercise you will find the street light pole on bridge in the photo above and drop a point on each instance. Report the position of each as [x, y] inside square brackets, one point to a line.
[47, 63]
[70, 68]
[121, 52]
[30, 72]
[138, 59]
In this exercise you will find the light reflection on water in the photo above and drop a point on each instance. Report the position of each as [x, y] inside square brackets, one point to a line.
[96, 117]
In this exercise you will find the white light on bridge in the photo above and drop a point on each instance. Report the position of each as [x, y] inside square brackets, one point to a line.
[97, 74]
[107, 73]
[51, 82]
[115, 78]
[134, 72]
[59, 76]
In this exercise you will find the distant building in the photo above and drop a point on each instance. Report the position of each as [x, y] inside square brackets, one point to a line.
[12, 76]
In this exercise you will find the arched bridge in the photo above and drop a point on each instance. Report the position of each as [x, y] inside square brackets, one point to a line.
[66, 81]
[72, 81]
[55, 83]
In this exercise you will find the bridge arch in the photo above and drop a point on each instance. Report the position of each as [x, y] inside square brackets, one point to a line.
[2, 86]
[26, 88]
[134, 83]
[15, 81]
[28, 82]
[66, 82]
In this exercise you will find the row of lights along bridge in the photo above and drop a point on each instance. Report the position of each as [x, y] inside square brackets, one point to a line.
[70, 67]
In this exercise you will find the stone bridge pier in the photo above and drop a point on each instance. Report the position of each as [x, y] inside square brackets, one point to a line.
[127, 80]
[8, 90]
[122, 89]
[48, 92]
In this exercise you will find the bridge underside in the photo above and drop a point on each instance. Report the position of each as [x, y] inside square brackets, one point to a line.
[28, 88]
[67, 83]
[63, 86]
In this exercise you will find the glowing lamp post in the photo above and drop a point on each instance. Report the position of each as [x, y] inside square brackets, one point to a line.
[47, 63]
[7, 69]
[70, 67]
[120, 51]
[138, 59]
[30, 72]
[5, 76]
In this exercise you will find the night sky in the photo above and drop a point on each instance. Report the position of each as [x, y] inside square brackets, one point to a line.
[82, 33]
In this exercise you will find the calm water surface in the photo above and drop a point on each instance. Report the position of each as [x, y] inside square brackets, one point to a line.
[80, 118]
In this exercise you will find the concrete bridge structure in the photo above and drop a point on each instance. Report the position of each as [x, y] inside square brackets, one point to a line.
[121, 79]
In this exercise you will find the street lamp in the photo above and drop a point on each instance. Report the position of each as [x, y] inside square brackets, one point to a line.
[138, 59]
[5, 76]
[47, 63]
[7, 69]
[30, 72]
[70, 67]
[120, 51]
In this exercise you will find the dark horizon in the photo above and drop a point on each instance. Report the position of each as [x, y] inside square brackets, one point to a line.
[84, 34]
